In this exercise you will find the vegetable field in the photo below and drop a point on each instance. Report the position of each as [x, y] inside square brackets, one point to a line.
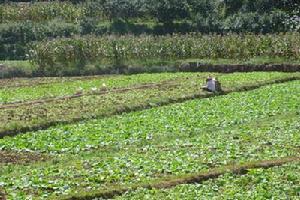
[151, 136]
[25, 112]
[278, 183]
[149, 99]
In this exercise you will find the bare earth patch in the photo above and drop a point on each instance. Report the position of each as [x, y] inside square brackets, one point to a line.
[2, 195]
[20, 158]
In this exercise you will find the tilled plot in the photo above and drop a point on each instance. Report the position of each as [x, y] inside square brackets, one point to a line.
[27, 82]
[36, 116]
[11, 157]
[2, 195]
[103, 91]
[86, 85]
[101, 172]
[169, 182]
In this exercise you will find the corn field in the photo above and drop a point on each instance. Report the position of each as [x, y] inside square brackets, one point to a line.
[41, 11]
[83, 50]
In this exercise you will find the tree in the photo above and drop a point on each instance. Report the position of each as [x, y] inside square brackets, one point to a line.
[119, 9]
[166, 11]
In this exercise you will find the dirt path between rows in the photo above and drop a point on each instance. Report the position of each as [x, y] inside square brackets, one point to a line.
[9, 83]
[2, 195]
[173, 181]
[12, 157]
[143, 106]
[103, 91]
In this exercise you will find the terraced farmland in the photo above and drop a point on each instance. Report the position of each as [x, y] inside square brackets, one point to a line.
[123, 95]
[182, 137]
[115, 99]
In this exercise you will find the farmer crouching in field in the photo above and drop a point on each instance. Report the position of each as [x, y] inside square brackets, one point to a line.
[212, 85]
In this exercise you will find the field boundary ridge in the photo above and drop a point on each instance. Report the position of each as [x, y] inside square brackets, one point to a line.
[173, 181]
[144, 106]
[231, 68]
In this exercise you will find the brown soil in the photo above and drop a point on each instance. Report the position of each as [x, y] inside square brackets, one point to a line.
[198, 67]
[2, 195]
[11, 157]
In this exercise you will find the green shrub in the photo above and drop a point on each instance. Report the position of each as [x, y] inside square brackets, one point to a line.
[41, 11]
[256, 23]
[14, 37]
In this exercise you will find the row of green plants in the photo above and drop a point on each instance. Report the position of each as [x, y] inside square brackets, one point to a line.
[69, 86]
[275, 183]
[15, 37]
[22, 117]
[76, 53]
[143, 146]
[165, 12]
[121, 17]
[27, 82]
[40, 12]
[88, 106]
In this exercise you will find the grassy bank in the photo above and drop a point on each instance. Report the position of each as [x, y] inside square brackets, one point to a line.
[13, 69]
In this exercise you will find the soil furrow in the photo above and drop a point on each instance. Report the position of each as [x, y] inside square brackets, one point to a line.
[39, 81]
[101, 91]
[214, 173]
[15, 157]
[172, 181]
[143, 106]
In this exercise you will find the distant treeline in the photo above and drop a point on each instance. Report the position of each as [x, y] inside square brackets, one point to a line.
[23, 23]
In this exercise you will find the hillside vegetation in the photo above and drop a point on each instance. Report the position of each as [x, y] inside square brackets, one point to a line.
[23, 23]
